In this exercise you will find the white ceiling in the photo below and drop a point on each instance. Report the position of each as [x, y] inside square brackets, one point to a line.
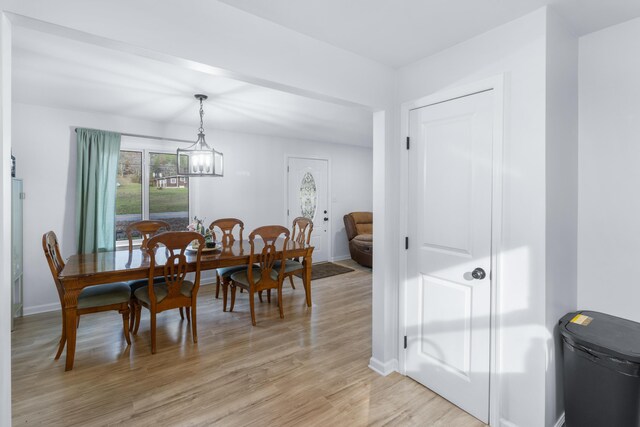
[398, 32]
[62, 73]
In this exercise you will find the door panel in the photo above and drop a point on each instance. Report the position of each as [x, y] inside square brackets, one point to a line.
[308, 197]
[446, 303]
[448, 310]
[447, 186]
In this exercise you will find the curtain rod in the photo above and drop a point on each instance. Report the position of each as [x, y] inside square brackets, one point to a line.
[135, 135]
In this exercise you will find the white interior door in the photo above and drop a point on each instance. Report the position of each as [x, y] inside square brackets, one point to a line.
[308, 197]
[449, 256]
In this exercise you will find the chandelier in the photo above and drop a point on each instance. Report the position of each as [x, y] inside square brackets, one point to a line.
[199, 159]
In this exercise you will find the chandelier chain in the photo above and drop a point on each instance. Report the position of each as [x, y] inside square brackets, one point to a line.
[201, 129]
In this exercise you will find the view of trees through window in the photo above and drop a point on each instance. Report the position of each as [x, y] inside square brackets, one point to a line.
[168, 192]
[128, 192]
[166, 196]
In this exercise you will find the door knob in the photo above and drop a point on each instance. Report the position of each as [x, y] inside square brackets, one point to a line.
[478, 274]
[326, 219]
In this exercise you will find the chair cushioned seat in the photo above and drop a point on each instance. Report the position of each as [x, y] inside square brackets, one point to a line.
[241, 276]
[137, 284]
[161, 291]
[228, 271]
[289, 265]
[101, 295]
[364, 238]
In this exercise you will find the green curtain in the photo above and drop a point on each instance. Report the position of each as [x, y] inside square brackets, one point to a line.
[97, 168]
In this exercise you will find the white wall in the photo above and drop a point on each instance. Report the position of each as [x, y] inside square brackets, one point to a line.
[5, 221]
[609, 200]
[252, 188]
[561, 198]
[517, 49]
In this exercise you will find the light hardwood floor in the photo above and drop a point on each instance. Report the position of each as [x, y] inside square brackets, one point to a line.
[307, 369]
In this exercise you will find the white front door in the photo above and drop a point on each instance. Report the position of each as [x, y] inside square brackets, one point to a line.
[449, 257]
[308, 197]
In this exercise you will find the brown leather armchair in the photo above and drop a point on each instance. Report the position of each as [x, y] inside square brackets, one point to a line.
[359, 227]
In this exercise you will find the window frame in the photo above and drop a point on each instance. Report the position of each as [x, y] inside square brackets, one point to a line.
[146, 158]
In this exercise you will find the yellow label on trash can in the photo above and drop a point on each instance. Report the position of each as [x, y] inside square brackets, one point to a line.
[581, 319]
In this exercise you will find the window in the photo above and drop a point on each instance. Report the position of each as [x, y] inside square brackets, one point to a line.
[308, 196]
[128, 191]
[168, 202]
[157, 194]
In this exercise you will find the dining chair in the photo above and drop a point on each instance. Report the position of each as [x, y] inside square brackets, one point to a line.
[226, 227]
[261, 274]
[92, 299]
[145, 229]
[174, 291]
[301, 234]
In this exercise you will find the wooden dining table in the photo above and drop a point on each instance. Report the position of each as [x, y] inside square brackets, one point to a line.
[121, 265]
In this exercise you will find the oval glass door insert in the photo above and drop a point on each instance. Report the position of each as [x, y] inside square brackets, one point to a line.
[308, 196]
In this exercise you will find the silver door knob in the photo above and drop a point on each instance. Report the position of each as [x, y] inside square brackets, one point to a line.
[478, 274]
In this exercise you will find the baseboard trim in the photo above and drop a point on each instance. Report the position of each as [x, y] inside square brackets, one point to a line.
[505, 423]
[43, 308]
[383, 369]
[340, 258]
[205, 282]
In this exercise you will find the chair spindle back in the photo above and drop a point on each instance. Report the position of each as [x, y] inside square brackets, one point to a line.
[54, 259]
[175, 267]
[268, 255]
[301, 230]
[146, 229]
[226, 227]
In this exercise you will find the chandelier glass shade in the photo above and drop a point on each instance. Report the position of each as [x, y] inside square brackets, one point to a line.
[199, 159]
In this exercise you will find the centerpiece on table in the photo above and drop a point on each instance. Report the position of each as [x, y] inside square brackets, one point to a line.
[197, 225]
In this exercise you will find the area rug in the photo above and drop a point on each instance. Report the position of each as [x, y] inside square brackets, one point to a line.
[326, 269]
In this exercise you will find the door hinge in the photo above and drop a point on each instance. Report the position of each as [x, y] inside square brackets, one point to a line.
[405, 341]
[287, 168]
[406, 242]
[408, 142]
[287, 212]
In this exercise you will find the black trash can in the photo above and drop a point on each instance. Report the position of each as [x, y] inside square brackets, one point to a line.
[601, 370]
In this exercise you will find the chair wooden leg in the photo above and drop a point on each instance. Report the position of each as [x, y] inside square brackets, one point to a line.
[217, 286]
[153, 331]
[241, 290]
[194, 328]
[233, 296]
[138, 316]
[188, 313]
[225, 289]
[77, 321]
[260, 296]
[280, 304]
[269, 296]
[291, 280]
[63, 339]
[181, 313]
[132, 314]
[252, 307]
[125, 324]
